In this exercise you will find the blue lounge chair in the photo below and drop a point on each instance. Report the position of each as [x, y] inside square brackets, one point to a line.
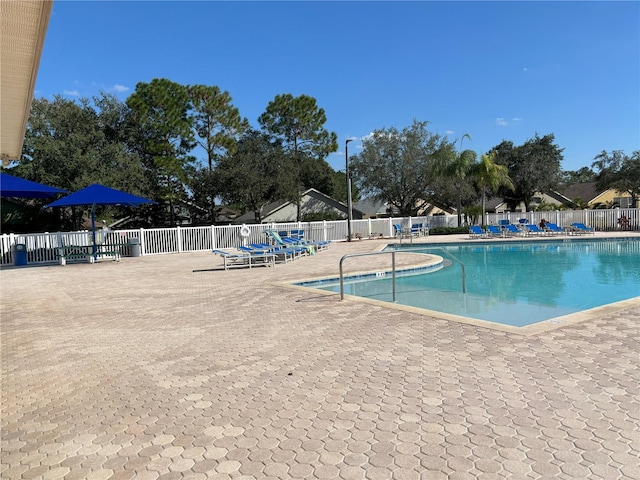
[533, 229]
[512, 231]
[582, 228]
[308, 246]
[476, 231]
[495, 231]
[419, 229]
[554, 229]
[284, 254]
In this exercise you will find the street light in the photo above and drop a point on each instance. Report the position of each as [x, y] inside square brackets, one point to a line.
[349, 209]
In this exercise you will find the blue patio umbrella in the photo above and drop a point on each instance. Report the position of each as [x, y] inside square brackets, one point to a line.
[98, 195]
[11, 186]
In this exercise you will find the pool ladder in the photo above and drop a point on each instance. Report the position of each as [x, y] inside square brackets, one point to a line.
[393, 269]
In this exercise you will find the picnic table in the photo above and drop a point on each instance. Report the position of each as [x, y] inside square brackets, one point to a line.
[85, 252]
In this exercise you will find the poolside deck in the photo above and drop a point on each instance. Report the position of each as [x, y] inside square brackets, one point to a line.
[167, 367]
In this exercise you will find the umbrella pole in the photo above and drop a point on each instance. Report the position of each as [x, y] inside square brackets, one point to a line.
[93, 231]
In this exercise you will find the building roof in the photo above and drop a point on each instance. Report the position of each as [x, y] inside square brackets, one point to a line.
[273, 207]
[584, 191]
[373, 206]
[23, 26]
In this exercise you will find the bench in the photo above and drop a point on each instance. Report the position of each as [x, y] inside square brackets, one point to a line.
[85, 253]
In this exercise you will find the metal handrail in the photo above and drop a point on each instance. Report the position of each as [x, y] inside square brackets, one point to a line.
[393, 269]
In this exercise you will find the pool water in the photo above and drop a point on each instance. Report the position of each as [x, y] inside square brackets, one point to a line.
[515, 283]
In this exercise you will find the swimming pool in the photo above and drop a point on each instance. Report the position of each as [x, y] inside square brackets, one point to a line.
[513, 283]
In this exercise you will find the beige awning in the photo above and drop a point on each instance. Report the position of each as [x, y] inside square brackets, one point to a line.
[23, 26]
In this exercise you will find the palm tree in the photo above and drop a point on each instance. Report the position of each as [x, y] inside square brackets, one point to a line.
[459, 170]
[490, 176]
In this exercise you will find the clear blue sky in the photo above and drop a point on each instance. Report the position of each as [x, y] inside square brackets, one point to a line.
[494, 70]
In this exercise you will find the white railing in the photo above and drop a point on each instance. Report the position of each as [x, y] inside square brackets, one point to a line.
[43, 247]
[603, 220]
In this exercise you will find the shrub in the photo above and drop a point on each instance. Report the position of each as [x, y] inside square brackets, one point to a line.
[448, 230]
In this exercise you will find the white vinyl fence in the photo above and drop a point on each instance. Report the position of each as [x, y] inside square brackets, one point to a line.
[43, 247]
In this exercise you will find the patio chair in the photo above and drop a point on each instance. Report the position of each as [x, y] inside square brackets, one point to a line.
[476, 231]
[243, 260]
[284, 254]
[495, 231]
[512, 231]
[418, 229]
[533, 229]
[308, 246]
[582, 228]
[554, 229]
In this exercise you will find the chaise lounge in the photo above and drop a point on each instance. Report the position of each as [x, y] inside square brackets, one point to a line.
[244, 260]
[476, 231]
[582, 228]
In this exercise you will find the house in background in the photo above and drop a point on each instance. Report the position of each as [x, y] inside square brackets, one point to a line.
[373, 208]
[312, 202]
[585, 193]
[578, 196]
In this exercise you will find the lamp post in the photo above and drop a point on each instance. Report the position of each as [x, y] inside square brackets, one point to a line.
[348, 172]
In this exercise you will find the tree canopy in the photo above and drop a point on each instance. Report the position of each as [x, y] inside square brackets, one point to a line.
[619, 171]
[458, 168]
[401, 166]
[298, 123]
[533, 167]
[255, 174]
[188, 144]
[216, 122]
[490, 177]
[72, 145]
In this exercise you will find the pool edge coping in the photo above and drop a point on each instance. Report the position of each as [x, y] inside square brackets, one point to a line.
[526, 330]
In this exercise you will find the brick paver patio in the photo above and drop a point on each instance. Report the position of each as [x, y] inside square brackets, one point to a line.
[166, 367]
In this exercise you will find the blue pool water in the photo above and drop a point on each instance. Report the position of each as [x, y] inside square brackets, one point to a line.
[514, 283]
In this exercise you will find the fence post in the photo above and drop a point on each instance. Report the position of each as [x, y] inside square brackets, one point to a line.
[213, 237]
[369, 227]
[143, 245]
[179, 235]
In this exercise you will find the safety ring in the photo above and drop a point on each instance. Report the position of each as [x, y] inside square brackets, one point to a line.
[245, 231]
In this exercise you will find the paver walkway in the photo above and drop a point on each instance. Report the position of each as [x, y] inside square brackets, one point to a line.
[166, 367]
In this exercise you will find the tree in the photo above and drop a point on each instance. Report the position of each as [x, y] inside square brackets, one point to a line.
[571, 177]
[401, 167]
[339, 191]
[160, 115]
[490, 177]
[72, 145]
[217, 123]
[533, 167]
[458, 169]
[255, 174]
[298, 123]
[204, 189]
[318, 174]
[619, 171]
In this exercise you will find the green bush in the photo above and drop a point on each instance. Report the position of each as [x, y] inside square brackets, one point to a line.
[448, 230]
